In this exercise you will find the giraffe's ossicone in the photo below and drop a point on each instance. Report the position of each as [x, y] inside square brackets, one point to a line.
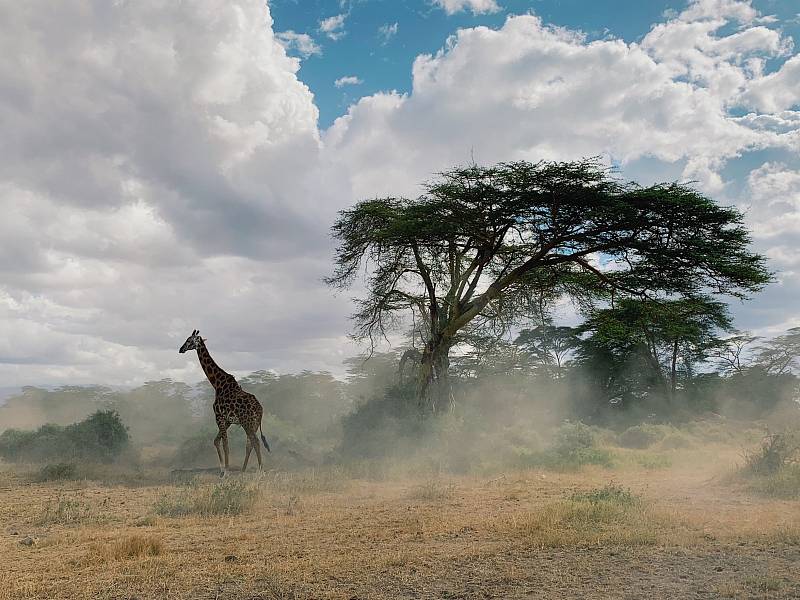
[232, 405]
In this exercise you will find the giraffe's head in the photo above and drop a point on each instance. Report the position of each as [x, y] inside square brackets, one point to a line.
[192, 342]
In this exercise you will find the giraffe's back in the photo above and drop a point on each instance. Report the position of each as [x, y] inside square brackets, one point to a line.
[239, 407]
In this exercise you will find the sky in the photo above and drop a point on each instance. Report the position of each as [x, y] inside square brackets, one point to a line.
[167, 165]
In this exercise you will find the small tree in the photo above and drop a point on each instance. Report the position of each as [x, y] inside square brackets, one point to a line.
[729, 352]
[484, 246]
[646, 344]
[780, 355]
[549, 347]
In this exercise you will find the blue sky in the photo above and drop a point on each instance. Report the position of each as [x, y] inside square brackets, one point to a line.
[423, 28]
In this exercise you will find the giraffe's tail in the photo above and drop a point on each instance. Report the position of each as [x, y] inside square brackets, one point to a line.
[263, 439]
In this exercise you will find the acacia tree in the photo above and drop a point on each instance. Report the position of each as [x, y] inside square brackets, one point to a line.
[549, 346]
[484, 246]
[644, 343]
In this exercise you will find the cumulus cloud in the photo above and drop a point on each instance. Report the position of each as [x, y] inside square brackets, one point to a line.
[333, 26]
[347, 80]
[162, 168]
[532, 91]
[155, 155]
[777, 91]
[476, 6]
[303, 43]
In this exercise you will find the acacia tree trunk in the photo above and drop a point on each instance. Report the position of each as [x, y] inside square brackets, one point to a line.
[673, 372]
[434, 390]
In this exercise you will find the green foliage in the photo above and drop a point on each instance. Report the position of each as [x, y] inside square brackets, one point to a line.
[311, 400]
[650, 347]
[574, 445]
[484, 247]
[573, 437]
[380, 427]
[58, 472]
[100, 438]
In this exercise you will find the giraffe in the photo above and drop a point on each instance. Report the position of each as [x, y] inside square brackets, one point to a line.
[231, 404]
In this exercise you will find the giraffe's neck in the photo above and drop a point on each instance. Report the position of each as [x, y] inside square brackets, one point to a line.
[216, 376]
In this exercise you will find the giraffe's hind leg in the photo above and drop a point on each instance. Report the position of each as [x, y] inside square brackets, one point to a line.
[222, 436]
[254, 444]
[247, 451]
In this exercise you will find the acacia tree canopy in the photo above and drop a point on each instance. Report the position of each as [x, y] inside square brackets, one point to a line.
[484, 246]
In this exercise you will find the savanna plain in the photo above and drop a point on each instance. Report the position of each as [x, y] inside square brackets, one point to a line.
[701, 511]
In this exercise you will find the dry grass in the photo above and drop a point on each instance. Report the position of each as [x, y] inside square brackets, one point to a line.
[229, 497]
[323, 534]
[126, 548]
[432, 490]
[607, 516]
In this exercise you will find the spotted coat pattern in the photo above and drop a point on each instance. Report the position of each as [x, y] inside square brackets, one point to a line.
[232, 405]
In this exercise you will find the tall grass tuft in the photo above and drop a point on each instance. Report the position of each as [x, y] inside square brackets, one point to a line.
[229, 497]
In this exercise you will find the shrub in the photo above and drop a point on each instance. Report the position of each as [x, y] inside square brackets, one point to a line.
[100, 437]
[611, 493]
[776, 451]
[58, 472]
[573, 437]
[774, 467]
[641, 436]
[573, 445]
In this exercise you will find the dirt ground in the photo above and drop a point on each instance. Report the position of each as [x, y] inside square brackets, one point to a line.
[695, 534]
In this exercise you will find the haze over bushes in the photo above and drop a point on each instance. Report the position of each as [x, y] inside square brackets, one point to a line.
[512, 401]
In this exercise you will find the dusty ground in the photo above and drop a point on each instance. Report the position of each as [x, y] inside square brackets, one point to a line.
[312, 535]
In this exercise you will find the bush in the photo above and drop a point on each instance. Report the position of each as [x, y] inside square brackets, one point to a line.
[573, 437]
[574, 445]
[777, 451]
[774, 467]
[58, 472]
[611, 493]
[100, 437]
[641, 436]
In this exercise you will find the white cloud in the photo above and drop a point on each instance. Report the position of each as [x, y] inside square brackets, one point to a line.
[736, 10]
[532, 91]
[773, 195]
[347, 80]
[155, 155]
[333, 26]
[386, 32]
[302, 42]
[776, 91]
[161, 166]
[476, 6]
